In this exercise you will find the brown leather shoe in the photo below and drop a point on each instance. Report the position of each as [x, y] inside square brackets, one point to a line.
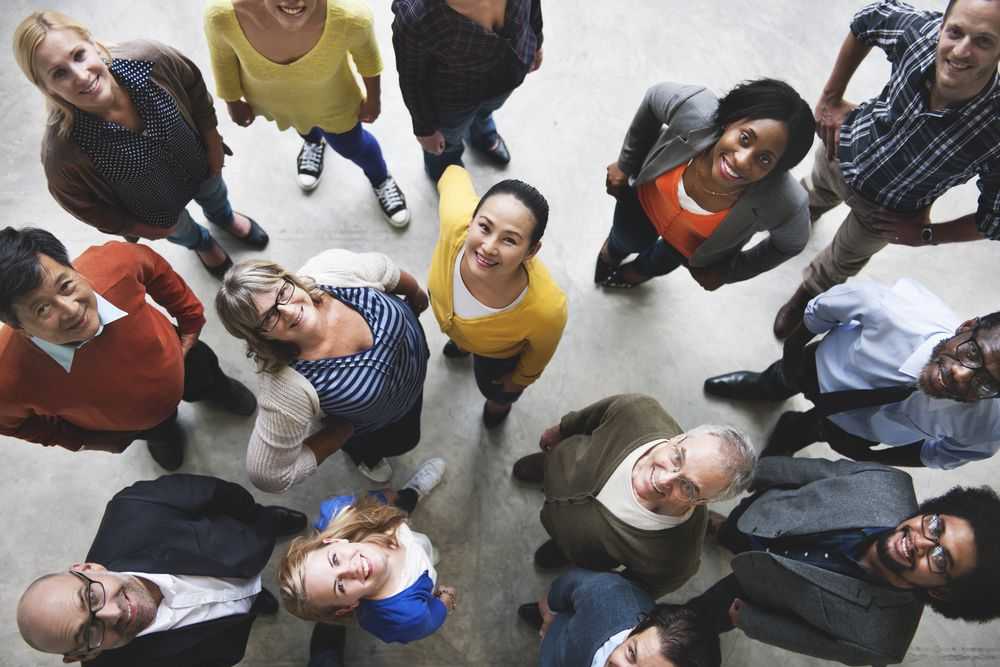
[530, 469]
[790, 315]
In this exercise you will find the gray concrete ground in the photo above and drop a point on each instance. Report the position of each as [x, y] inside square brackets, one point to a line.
[563, 126]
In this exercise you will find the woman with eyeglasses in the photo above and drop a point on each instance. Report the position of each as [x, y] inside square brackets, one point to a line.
[334, 344]
[131, 137]
[698, 176]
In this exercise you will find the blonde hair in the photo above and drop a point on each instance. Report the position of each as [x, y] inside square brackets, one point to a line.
[28, 36]
[236, 308]
[365, 520]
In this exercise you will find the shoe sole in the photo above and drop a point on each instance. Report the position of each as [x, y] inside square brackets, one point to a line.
[308, 188]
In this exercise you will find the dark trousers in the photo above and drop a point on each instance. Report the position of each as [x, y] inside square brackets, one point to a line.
[326, 646]
[203, 380]
[632, 231]
[357, 145]
[489, 371]
[393, 439]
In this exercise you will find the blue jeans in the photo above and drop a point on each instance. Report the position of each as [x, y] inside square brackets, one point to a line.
[359, 146]
[213, 197]
[632, 231]
[475, 125]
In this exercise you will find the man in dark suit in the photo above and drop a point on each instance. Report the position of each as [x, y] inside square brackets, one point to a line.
[602, 618]
[836, 560]
[173, 578]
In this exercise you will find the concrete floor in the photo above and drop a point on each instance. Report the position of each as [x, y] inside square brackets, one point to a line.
[563, 126]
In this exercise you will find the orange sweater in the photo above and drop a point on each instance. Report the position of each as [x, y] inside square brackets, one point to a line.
[682, 229]
[130, 378]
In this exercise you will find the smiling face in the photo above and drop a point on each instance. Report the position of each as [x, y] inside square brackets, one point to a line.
[71, 69]
[902, 555]
[53, 615]
[499, 239]
[747, 151]
[62, 310]
[292, 14]
[679, 473]
[342, 573]
[641, 650]
[968, 50]
[945, 375]
[287, 313]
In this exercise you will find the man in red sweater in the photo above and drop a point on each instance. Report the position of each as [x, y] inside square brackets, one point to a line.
[87, 363]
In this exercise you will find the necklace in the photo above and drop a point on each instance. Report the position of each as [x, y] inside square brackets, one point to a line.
[703, 179]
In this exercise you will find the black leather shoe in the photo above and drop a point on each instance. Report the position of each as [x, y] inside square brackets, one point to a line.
[550, 557]
[744, 385]
[219, 272]
[531, 614]
[792, 432]
[498, 153]
[166, 445]
[257, 238]
[453, 351]
[530, 469]
[236, 398]
[284, 522]
[265, 604]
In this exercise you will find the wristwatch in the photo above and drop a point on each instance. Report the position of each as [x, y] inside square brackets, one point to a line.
[927, 234]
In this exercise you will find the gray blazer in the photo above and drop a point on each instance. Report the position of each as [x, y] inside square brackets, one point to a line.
[810, 610]
[672, 125]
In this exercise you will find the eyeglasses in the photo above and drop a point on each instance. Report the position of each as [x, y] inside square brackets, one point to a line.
[969, 354]
[938, 558]
[689, 490]
[271, 315]
[93, 633]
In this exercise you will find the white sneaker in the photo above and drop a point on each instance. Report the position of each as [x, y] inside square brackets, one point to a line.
[310, 164]
[381, 473]
[393, 203]
[427, 476]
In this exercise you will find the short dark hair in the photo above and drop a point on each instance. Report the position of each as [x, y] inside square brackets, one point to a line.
[990, 323]
[975, 596]
[951, 3]
[20, 270]
[776, 100]
[685, 638]
[532, 199]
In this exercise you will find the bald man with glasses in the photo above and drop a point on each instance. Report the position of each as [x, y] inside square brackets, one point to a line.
[626, 487]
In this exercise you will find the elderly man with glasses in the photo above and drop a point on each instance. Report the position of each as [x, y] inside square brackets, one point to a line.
[895, 367]
[172, 578]
[626, 487]
[836, 560]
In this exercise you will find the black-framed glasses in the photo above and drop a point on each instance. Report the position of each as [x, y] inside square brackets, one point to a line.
[938, 558]
[970, 354]
[271, 315]
[93, 593]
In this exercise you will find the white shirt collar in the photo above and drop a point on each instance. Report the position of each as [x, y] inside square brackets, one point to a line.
[63, 355]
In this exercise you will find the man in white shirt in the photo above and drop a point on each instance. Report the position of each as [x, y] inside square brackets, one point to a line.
[938, 378]
[173, 578]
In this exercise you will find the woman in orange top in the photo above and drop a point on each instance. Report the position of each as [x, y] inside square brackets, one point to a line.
[698, 176]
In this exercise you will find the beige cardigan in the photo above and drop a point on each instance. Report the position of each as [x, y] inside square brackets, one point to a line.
[288, 405]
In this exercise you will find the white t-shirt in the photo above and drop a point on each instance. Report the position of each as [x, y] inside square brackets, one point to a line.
[469, 307]
[419, 555]
[188, 599]
[618, 496]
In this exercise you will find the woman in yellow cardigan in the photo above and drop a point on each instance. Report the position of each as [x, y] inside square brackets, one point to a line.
[489, 293]
[297, 63]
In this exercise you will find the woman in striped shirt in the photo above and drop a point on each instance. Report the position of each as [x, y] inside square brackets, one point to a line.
[332, 343]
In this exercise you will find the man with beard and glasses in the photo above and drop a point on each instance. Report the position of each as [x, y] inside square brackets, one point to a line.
[895, 367]
[172, 578]
[836, 560]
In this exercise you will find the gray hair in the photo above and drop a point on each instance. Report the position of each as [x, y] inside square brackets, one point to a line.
[740, 459]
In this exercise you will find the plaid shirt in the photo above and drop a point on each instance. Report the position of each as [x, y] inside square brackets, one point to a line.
[898, 153]
[447, 62]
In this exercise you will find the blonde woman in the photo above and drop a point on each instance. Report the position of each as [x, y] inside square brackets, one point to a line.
[366, 561]
[129, 115]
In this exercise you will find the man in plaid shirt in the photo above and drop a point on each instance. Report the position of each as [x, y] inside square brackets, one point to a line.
[936, 124]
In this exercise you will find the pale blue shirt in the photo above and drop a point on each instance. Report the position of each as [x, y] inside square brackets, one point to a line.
[107, 313]
[882, 337]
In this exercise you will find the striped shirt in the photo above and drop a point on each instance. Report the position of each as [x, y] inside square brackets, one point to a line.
[377, 387]
[156, 172]
[898, 153]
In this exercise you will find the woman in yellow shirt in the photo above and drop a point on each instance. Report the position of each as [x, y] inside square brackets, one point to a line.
[489, 292]
[297, 63]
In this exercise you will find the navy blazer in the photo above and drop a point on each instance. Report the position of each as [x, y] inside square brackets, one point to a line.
[184, 525]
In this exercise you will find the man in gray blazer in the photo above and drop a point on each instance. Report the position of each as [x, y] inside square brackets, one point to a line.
[836, 560]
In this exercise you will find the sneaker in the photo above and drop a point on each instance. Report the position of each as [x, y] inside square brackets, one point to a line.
[393, 203]
[427, 476]
[310, 163]
[380, 473]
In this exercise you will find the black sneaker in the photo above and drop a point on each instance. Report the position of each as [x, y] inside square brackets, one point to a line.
[393, 203]
[310, 164]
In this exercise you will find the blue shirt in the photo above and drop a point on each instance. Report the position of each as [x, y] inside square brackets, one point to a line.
[63, 355]
[376, 387]
[878, 336]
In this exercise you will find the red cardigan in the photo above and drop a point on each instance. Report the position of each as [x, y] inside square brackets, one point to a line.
[130, 378]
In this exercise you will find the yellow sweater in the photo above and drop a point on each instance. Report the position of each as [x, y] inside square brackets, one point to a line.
[532, 328]
[320, 89]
